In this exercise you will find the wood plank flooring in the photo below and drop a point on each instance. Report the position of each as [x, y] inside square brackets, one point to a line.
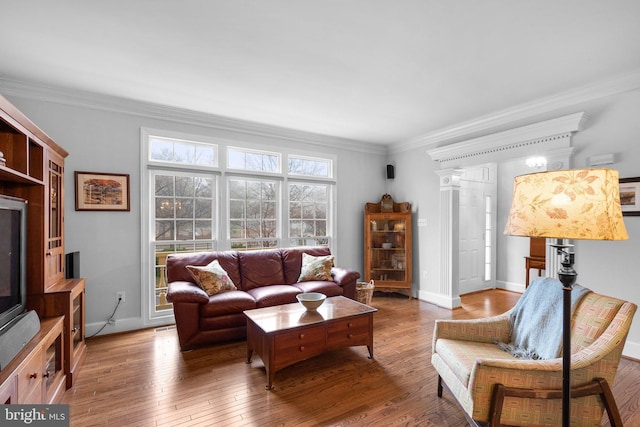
[142, 379]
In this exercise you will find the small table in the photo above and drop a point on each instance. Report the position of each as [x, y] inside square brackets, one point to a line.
[286, 334]
[537, 263]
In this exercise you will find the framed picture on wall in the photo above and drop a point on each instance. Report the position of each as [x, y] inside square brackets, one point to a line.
[96, 191]
[630, 196]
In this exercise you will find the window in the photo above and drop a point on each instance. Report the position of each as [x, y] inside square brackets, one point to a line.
[253, 199]
[308, 214]
[488, 233]
[252, 160]
[253, 213]
[183, 221]
[182, 152]
[183, 208]
[307, 166]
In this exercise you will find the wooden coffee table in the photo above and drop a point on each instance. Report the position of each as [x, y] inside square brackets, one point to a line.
[285, 334]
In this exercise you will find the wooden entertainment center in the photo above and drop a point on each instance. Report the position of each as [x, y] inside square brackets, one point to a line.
[33, 170]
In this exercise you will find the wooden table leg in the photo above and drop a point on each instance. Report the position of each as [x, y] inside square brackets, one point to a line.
[270, 377]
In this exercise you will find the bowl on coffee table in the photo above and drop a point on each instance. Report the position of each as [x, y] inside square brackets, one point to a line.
[311, 300]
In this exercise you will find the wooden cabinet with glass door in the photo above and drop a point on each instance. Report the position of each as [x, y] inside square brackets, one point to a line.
[54, 205]
[387, 245]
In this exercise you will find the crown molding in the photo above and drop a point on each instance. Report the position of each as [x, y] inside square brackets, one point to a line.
[31, 90]
[85, 99]
[611, 86]
[550, 134]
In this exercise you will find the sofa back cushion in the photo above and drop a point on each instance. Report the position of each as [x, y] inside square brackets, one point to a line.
[292, 260]
[250, 269]
[177, 265]
[260, 268]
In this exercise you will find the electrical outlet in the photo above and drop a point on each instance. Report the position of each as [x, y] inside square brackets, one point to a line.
[120, 296]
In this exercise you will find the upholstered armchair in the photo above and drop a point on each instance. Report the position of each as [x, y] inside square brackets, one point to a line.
[494, 388]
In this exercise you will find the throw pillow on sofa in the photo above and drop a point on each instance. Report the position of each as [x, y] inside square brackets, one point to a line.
[211, 278]
[316, 268]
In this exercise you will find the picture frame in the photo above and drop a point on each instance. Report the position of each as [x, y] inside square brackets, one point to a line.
[630, 196]
[98, 191]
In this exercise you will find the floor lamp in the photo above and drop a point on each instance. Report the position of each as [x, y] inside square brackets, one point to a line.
[567, 204]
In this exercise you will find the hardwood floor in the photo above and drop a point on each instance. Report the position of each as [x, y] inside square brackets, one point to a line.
[142, 379]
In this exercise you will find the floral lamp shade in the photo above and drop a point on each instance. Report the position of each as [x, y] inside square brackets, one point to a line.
[567, 204]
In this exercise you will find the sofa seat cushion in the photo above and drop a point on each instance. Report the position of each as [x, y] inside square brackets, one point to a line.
[460, 356]
[268, 296]
[227, 321]
[330, 289]
[229, 302]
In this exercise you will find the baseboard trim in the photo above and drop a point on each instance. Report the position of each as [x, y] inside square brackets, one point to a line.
[632, 350]
[510, 286]
[440, 299]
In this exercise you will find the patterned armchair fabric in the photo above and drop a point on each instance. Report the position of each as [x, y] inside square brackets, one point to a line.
[470, 364]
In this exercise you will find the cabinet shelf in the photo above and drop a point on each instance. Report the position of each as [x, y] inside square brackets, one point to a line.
[11, 175]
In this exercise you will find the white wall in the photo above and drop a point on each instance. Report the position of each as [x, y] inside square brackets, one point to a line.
[610, 267]
[109, 242]
[416, 182]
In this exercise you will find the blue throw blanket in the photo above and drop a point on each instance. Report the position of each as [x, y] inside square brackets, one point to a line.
[536, 320]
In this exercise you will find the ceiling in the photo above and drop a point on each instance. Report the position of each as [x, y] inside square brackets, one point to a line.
[379, 71]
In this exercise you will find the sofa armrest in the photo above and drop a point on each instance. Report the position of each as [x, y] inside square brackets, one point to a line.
[478, 330]
[188, 292]
[344, 276]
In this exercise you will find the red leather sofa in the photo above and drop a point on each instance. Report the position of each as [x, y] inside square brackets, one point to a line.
[264, 278]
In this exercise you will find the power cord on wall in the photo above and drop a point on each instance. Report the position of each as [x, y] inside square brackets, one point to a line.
[110, 321]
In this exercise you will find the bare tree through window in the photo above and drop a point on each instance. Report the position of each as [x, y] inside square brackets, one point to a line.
[253, 213]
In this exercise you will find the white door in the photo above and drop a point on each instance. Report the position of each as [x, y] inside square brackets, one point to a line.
[477, 229]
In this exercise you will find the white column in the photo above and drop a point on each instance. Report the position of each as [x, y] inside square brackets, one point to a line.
[448, 295]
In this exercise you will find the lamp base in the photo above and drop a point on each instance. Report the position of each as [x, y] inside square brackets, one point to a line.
[567, 276]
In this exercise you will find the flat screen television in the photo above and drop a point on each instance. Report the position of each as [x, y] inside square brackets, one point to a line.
[13, 242]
